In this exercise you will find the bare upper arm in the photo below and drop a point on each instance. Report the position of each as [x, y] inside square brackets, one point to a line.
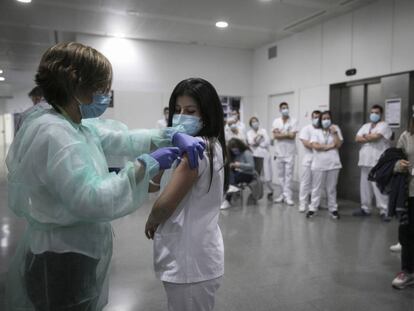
[182, 180]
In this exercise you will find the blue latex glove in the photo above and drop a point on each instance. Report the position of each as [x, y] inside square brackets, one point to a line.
[165, 156]
[193, 146]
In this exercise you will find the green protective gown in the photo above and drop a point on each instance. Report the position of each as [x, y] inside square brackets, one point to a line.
[59, 182]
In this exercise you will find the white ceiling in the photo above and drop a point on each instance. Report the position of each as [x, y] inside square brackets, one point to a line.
[26, 30]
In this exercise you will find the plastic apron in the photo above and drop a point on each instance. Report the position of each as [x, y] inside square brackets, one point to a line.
[70, 200]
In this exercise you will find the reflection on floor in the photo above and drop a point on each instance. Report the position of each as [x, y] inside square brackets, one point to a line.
[276, 259]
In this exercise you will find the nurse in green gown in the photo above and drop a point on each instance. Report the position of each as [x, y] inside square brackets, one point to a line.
[59, 182]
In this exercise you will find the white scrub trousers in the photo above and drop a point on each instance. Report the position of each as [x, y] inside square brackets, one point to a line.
[368, 190]
[331, 180]
[192, 296]
[305, 186]
[284, 166]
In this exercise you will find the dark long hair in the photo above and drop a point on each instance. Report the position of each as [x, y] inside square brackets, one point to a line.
[207, 99]
[236, 143]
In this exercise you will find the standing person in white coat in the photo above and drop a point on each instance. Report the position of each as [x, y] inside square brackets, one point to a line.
[234, 127]
[374, 138]
[305, 136]
[325, 164]
[284, 131]
[162, 123]
[188, 245]
[259, 142]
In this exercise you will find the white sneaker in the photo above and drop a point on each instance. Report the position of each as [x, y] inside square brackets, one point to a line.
[279, 199]
[402, 280]
[396, 248]
[233, 189]
[225, 205]
[302, 208]
[290, 202]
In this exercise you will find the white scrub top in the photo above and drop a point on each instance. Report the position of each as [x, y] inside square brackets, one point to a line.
[306, 134]
[161, 123]
[325, 160]
[229, 134]
[188, 247]
[371, 152]
[285, 147]
[261, 150]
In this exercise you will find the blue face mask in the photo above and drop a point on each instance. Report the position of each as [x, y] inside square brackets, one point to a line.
[95, 109]
[374, 117]
[315, 122]
[326, 123]
[190, 125]
[235, 151]
[285, 112]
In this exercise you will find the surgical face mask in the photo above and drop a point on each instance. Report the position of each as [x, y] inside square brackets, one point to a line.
[191, 125]
[326, 123]
[95, 109]
[315, 122]
[231, 119]
[235, 151]
[285, 112]
[374, 117]
[233, 126]
[255, 125]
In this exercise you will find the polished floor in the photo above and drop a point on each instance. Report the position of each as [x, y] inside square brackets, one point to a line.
[276, 259]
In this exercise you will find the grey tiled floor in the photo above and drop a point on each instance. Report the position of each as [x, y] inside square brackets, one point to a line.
[276, 259]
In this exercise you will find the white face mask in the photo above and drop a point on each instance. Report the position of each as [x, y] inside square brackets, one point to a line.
[326, 123]
[315, 122]
[285, 112]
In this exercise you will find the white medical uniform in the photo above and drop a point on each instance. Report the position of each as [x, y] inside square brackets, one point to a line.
[261, 151]
[368, 158]
[306, 177]
[229, 134]
[285, 151]
[325, 170]
[162, 123]
[188, 247]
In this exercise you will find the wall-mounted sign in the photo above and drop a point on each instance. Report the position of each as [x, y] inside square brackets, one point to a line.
[393, 112]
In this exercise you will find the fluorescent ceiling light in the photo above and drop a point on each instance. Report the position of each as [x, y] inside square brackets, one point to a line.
[222, 24]
[119, 35]
[2, 78]
[1, 71]
[24, 1]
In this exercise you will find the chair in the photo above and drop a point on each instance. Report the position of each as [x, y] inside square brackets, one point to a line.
[255, 186]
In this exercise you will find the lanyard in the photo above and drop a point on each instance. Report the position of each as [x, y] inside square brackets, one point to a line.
[326, 136]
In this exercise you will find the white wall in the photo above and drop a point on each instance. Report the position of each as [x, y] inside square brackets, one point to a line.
[146, 72]
[377, 40]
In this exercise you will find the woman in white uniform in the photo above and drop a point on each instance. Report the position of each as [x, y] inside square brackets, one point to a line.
[305, 136]
[59, 182]
[374, 138]
[259, 142]
[326, 164]
[188, 245]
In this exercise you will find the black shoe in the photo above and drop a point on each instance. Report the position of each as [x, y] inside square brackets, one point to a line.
[335, 215]
[385, 218]
[270, 196]
[310, 214]
[360, 213]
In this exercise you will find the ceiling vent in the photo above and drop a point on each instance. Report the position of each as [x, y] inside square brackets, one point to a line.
[272, 52]
[305, 20]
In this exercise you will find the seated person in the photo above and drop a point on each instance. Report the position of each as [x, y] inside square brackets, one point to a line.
[241, 164]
